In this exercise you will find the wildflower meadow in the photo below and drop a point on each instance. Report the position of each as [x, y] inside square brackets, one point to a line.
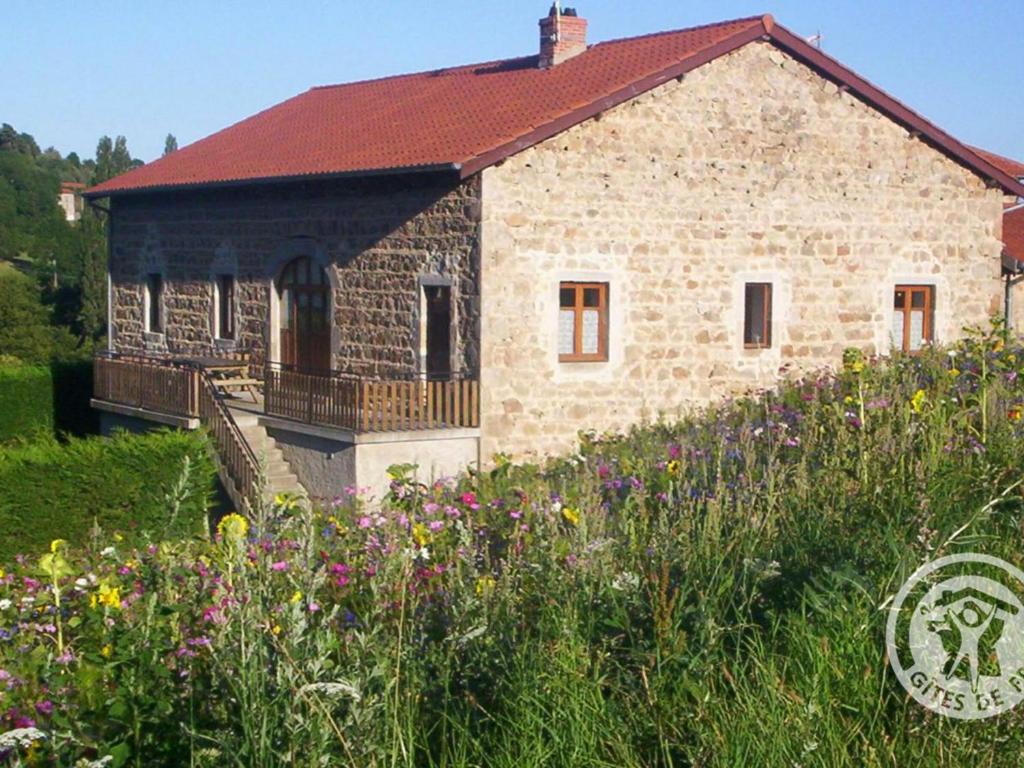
[708, 591]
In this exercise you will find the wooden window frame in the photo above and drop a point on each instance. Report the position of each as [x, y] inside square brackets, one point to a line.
[766, 318]
[154, 303]
[577, 356]
[928, 326]
[225, 310]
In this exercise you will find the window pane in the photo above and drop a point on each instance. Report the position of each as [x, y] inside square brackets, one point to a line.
[755, 314]
[916, 330]
[567, 297]
[900, 300]
[566, 332]
[591, 297]
[897, 329]
[917, 299]
[286, 309]
[591, 333]
[154, 289]
[226, 307]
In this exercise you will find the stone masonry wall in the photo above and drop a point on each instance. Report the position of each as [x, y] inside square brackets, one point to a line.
[751, 169]
[379, 237]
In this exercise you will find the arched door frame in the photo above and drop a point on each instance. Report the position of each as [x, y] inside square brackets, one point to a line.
[286, 252]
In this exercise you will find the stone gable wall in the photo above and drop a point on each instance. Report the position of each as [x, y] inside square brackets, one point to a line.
[378, 237]
[751, 169]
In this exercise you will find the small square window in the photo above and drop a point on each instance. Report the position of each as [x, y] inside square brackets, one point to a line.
[154, 301]
[583, 322]
[757, 315]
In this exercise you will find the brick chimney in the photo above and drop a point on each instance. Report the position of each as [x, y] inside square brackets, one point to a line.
[563, 34]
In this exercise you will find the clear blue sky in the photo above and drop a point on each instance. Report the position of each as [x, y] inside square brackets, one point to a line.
[73, 71]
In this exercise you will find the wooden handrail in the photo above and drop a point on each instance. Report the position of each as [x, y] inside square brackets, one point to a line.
[179, 389]
[371, 405]
[243, 478]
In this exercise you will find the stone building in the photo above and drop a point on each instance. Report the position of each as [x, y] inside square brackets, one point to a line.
[591, 236]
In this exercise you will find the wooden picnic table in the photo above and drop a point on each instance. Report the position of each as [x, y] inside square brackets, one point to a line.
[227, 373]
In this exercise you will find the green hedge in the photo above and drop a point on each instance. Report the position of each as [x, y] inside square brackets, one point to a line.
[134, 484]
[26, 402]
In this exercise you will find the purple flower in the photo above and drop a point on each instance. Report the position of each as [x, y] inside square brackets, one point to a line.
[280, 565]
[44, 707]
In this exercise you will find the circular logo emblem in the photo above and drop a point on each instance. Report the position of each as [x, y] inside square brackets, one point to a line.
[955, 636]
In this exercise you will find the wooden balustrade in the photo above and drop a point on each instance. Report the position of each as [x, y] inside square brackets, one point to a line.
[372, 405]
[241, 469]
[146, 383]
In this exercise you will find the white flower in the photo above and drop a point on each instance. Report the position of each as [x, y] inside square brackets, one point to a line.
[332, 690]
[27, 600]
[81, 583]
[101, 763]
[556, 507]
[20, 737]
[108, 552]
[5, 604]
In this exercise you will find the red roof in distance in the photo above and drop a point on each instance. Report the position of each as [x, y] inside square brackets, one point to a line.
[1013, 234]
[466, 118]
[1007, 165]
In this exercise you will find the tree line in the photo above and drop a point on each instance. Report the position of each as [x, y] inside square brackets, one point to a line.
[53, 291]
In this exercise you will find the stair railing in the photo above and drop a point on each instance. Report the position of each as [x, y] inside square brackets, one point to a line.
[240, 469]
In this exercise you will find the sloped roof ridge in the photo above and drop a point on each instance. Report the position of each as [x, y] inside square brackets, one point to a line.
[458, 68]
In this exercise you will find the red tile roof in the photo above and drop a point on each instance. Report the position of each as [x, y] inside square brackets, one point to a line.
[1013, 234]
[1005, 164]
[466, 118]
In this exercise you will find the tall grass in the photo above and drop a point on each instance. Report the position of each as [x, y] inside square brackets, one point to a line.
[707, 592]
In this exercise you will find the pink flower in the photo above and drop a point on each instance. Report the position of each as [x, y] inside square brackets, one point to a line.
[280, 565]
[515, 514]
[674, 451]
[435, 525]
[431, 507]
[469, 499]
[341, 581]
[365, 522]
[603, 471]
[314, 607]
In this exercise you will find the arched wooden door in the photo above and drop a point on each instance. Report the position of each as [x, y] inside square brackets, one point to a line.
[305, 324]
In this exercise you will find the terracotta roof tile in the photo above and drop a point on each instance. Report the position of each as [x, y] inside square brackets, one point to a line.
[465, 118]
[1005, 164]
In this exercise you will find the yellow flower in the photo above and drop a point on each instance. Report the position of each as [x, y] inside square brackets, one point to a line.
[1016, 413]
[276, 629]
[998, 346]
[118, 537]
[857, 366]
[296, 597]
[3, 573]
[848, 399]
[233, 526]
[420, 535]
[571, 515]
[918, 400]
[672, 468]
[108, 596]
[484, 585]
[954, 372]
[106, 651]
[56, 545]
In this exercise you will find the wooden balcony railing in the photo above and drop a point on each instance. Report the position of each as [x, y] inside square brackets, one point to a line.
[180, 389]
[150, 383]
[358, 404]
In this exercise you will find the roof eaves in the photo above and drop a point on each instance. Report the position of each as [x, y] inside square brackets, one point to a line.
[229, 183]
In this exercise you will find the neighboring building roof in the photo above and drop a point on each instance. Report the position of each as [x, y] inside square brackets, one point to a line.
[467, 118]
[71, 186]
[1007, 165]
[1013, 239]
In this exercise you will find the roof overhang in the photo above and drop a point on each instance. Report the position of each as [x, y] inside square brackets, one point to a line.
[767, 31]
[265, 180]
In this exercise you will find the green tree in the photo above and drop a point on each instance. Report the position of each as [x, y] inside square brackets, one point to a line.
[25, 330]
[170, 144]
[104, 160]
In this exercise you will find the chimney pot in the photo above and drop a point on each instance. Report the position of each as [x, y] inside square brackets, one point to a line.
[562, 36]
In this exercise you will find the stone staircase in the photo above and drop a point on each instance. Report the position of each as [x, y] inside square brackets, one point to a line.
[279, 475]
